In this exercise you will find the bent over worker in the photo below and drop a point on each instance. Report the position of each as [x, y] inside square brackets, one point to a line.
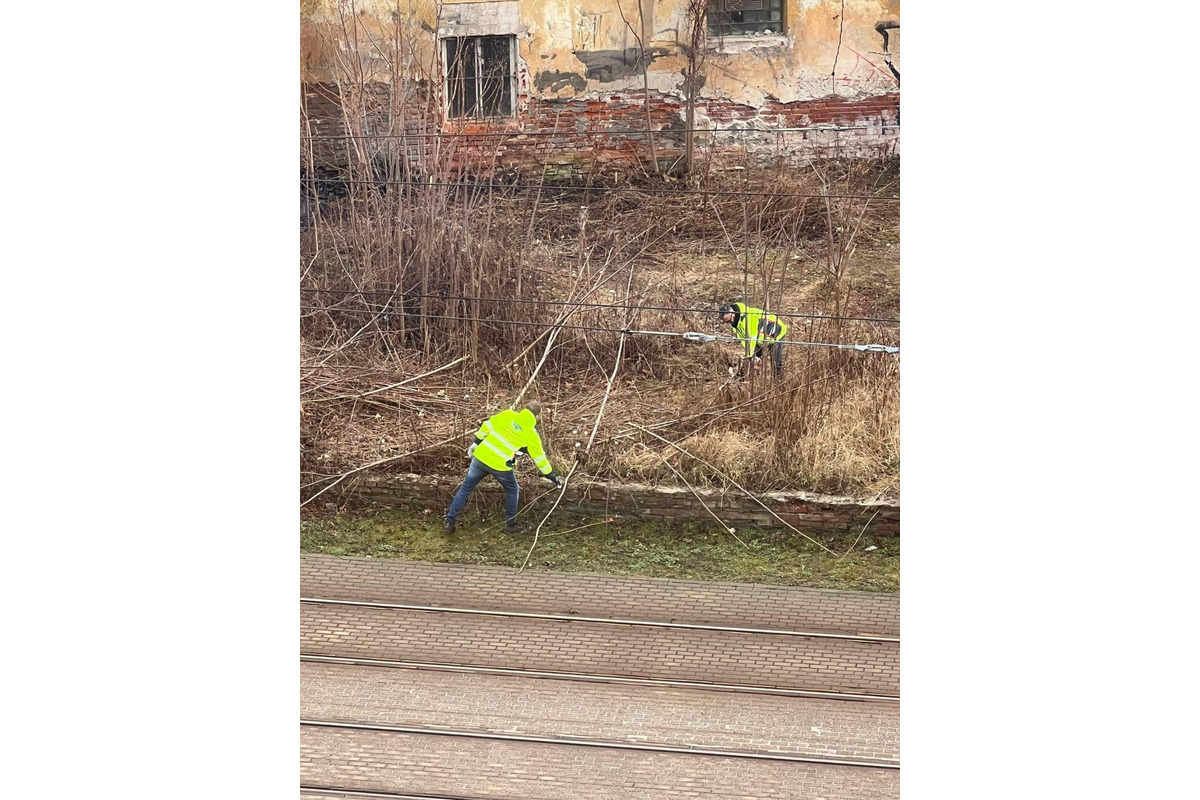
[753, 325]
[496, 446]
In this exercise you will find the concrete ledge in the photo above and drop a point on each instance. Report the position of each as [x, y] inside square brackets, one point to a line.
[741, 43]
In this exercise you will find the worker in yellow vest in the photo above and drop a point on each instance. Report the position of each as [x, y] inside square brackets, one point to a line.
[496, 446]
[758, 328]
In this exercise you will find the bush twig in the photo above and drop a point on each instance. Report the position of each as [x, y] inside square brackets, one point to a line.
[735, 483]
[561, 492]
[727, 528]
[380, 462]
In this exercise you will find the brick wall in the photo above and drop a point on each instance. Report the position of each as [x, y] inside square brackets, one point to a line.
[568, 135]
[807, 512]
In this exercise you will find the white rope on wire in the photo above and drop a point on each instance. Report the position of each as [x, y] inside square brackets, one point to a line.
[705, 338]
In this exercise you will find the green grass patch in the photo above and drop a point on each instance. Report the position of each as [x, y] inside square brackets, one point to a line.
[622, 546]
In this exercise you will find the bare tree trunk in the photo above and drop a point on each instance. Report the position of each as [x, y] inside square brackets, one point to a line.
[696, 17]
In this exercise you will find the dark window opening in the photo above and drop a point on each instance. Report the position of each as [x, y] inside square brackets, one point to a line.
[739, 17]
[479, 76]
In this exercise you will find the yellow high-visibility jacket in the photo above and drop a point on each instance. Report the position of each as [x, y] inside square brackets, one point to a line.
[756, 326]
[504, 435]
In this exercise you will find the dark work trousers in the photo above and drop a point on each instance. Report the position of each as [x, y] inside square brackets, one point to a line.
[477, 472]
[774, 352]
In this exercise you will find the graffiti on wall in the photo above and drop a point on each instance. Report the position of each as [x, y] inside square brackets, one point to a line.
[866, 73]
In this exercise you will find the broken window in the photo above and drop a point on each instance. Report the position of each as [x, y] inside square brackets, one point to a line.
[479, 76]
[742, 17]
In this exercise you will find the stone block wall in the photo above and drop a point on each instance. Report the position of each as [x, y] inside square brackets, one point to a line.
[811, 513]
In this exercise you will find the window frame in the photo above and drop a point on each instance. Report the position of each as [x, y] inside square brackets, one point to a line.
[477, 112]
[718, 7]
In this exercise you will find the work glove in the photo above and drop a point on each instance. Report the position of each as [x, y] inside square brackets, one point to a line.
[471, 450]
[553, 478]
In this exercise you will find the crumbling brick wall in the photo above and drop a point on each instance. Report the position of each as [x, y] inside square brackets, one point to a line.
[576, 136]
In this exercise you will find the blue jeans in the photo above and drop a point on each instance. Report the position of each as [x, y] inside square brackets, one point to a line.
[477, 472]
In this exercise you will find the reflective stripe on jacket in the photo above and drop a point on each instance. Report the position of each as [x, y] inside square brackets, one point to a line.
[755, 325]
[506, 434]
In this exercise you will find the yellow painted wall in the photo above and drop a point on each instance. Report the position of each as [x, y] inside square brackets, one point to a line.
[582, 48]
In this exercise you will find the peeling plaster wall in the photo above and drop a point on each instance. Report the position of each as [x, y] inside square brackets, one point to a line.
[572, 54]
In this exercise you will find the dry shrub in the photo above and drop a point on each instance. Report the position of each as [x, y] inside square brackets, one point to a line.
[855, 447]
[736, 453]
[644, 463]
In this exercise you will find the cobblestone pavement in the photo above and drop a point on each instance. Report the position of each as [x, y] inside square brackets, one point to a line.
[550, 708]
[794, 662]
[651, 599]
[421, 764]
[473, 769]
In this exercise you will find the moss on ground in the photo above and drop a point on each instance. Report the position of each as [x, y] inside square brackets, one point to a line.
[622, 546]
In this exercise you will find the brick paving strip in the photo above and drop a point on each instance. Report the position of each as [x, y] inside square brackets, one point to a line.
[651, 599]
[550, 708]
[832, 665]
[399, 762]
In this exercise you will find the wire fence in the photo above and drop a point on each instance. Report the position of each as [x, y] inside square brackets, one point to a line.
[689, 335]
[616, 306]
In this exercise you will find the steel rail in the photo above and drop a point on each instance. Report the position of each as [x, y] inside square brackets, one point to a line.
[606, 745]
[735, 688]
[309, 789]
[603, 620]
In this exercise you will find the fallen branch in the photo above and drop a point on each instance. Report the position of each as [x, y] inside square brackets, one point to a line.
[607, 521]
[528, 505]
[548, 513]
[394, 385]
[731, 531]
[381, 461]
[877, 497]
[735, 483]
[860, 533]
[557, 327]
[565, 315]
[784, 385]
[537, 369]
[616, 361]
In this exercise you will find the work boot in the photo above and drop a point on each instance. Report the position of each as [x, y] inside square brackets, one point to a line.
[448, 526]
[514, 527]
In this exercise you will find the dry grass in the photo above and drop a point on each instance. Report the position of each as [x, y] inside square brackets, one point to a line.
[851, 447]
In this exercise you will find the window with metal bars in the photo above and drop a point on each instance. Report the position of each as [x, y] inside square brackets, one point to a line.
[740, 17]
[479, 77]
